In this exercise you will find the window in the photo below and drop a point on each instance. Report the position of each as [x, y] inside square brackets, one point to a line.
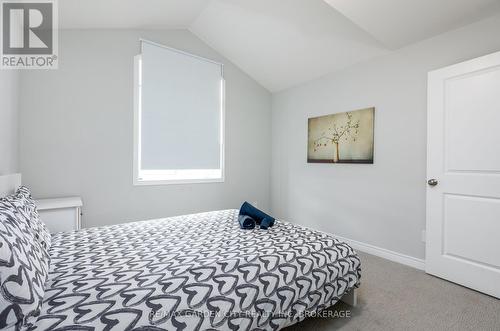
[179, 117]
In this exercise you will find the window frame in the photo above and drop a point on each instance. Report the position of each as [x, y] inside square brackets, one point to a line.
[173, 176]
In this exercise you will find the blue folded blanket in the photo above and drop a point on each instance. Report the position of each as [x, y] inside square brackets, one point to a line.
[246, 222]
[265, 221]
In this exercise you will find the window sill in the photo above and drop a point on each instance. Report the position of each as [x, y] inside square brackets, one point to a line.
[142, 182]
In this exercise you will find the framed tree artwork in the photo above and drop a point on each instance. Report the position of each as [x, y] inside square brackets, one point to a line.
[342, 137]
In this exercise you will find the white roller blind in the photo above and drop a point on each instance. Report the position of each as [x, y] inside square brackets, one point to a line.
[181, 110]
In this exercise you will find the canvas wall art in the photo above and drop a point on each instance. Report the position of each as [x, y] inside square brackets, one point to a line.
[342, 137]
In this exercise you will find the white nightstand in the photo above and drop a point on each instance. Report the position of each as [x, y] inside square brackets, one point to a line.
[61, 214]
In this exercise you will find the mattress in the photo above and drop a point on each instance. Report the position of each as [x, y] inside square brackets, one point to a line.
[193, 272]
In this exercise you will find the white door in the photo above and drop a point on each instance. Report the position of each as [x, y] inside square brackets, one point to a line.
[463, 169]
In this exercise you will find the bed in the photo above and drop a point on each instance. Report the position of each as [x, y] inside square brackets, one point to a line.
[192, 272]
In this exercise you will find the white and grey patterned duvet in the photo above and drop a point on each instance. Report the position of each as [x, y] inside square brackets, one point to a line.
[194, 272]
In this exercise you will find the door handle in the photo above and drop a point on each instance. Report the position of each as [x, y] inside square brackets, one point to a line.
[432, 182]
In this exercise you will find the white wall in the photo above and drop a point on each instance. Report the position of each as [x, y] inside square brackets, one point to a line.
[9, 93]
[381, 204]
[76, 131]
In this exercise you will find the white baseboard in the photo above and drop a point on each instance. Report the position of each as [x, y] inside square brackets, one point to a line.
[385, 253]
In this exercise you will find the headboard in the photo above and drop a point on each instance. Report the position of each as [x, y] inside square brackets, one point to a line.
[9, 184]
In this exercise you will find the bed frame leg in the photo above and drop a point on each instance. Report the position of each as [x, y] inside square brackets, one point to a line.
[351, 298]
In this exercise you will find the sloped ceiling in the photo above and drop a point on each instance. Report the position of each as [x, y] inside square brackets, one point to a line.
[282, 43]
[398, 23]
[123, 14]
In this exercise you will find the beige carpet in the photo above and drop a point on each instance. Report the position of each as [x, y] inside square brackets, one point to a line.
[396, 297]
